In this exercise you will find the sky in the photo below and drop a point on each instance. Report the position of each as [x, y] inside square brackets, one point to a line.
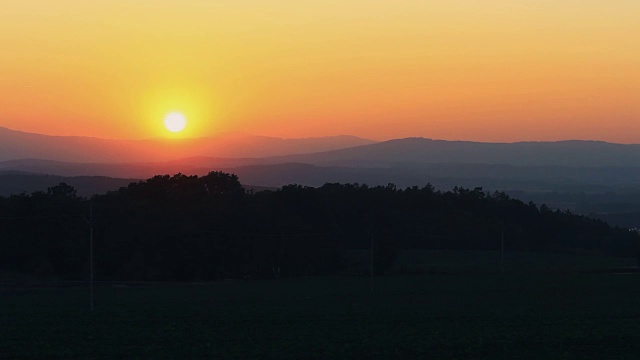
[482, 70]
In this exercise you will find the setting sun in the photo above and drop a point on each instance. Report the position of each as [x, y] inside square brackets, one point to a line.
[175, 122]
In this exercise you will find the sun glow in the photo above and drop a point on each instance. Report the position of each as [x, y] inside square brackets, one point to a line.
[175, 122]
[541, 70]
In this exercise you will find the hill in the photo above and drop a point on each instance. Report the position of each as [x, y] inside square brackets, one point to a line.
[411, 151]
[190, 228]
[588, 177]
[13, 183]
[20, 145]
[266, 172]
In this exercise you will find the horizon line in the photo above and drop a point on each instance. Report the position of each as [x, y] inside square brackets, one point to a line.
[242, 133]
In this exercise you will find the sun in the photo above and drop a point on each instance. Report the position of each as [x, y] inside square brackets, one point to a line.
[175, 122]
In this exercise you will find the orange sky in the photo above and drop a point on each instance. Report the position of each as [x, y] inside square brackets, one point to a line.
[486, 70]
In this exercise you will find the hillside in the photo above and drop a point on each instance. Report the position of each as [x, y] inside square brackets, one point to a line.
[190, 228]
[13, 183]
[411, 151]
[16, 145]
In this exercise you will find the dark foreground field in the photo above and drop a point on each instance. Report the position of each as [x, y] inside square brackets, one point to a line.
[520, 315]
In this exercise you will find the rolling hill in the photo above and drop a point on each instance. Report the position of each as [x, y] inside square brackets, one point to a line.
[15, 145]
[411, 151]
[14, 183]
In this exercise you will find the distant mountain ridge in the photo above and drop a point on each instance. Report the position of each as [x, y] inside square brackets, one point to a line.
[16, 145]
[531, 166]
[412, 151]
[324, 151]
[415, 154]
[594, 176]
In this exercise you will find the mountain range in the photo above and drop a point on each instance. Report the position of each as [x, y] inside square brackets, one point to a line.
[311, 161]
[268, 161]
[232, 150]
[591, 176]
[16, 145]
[412, 151]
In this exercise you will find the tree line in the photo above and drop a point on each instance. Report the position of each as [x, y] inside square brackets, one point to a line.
[188, 228]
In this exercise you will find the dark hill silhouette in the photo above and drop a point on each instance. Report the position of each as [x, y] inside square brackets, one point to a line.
[13, 183]
[530, 167]
[611, 193]
[136, 170]
[16, 183]
[444, 175]
[190, 228]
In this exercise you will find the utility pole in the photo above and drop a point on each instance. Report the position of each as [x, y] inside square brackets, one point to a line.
[502, 253]
[371, 258]
[91, 252]
[90, 222]
[371, 282]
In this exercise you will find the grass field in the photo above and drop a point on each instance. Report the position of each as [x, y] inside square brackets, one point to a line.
[487, 262]
[519, 315]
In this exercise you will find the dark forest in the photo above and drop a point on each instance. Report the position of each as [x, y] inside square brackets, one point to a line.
[190, 228]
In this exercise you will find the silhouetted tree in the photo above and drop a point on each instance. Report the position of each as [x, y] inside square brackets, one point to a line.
[189, 228]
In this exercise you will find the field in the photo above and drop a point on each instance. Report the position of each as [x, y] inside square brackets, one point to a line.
[524, 314]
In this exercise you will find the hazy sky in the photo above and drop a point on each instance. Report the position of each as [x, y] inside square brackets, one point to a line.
[488, 70]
